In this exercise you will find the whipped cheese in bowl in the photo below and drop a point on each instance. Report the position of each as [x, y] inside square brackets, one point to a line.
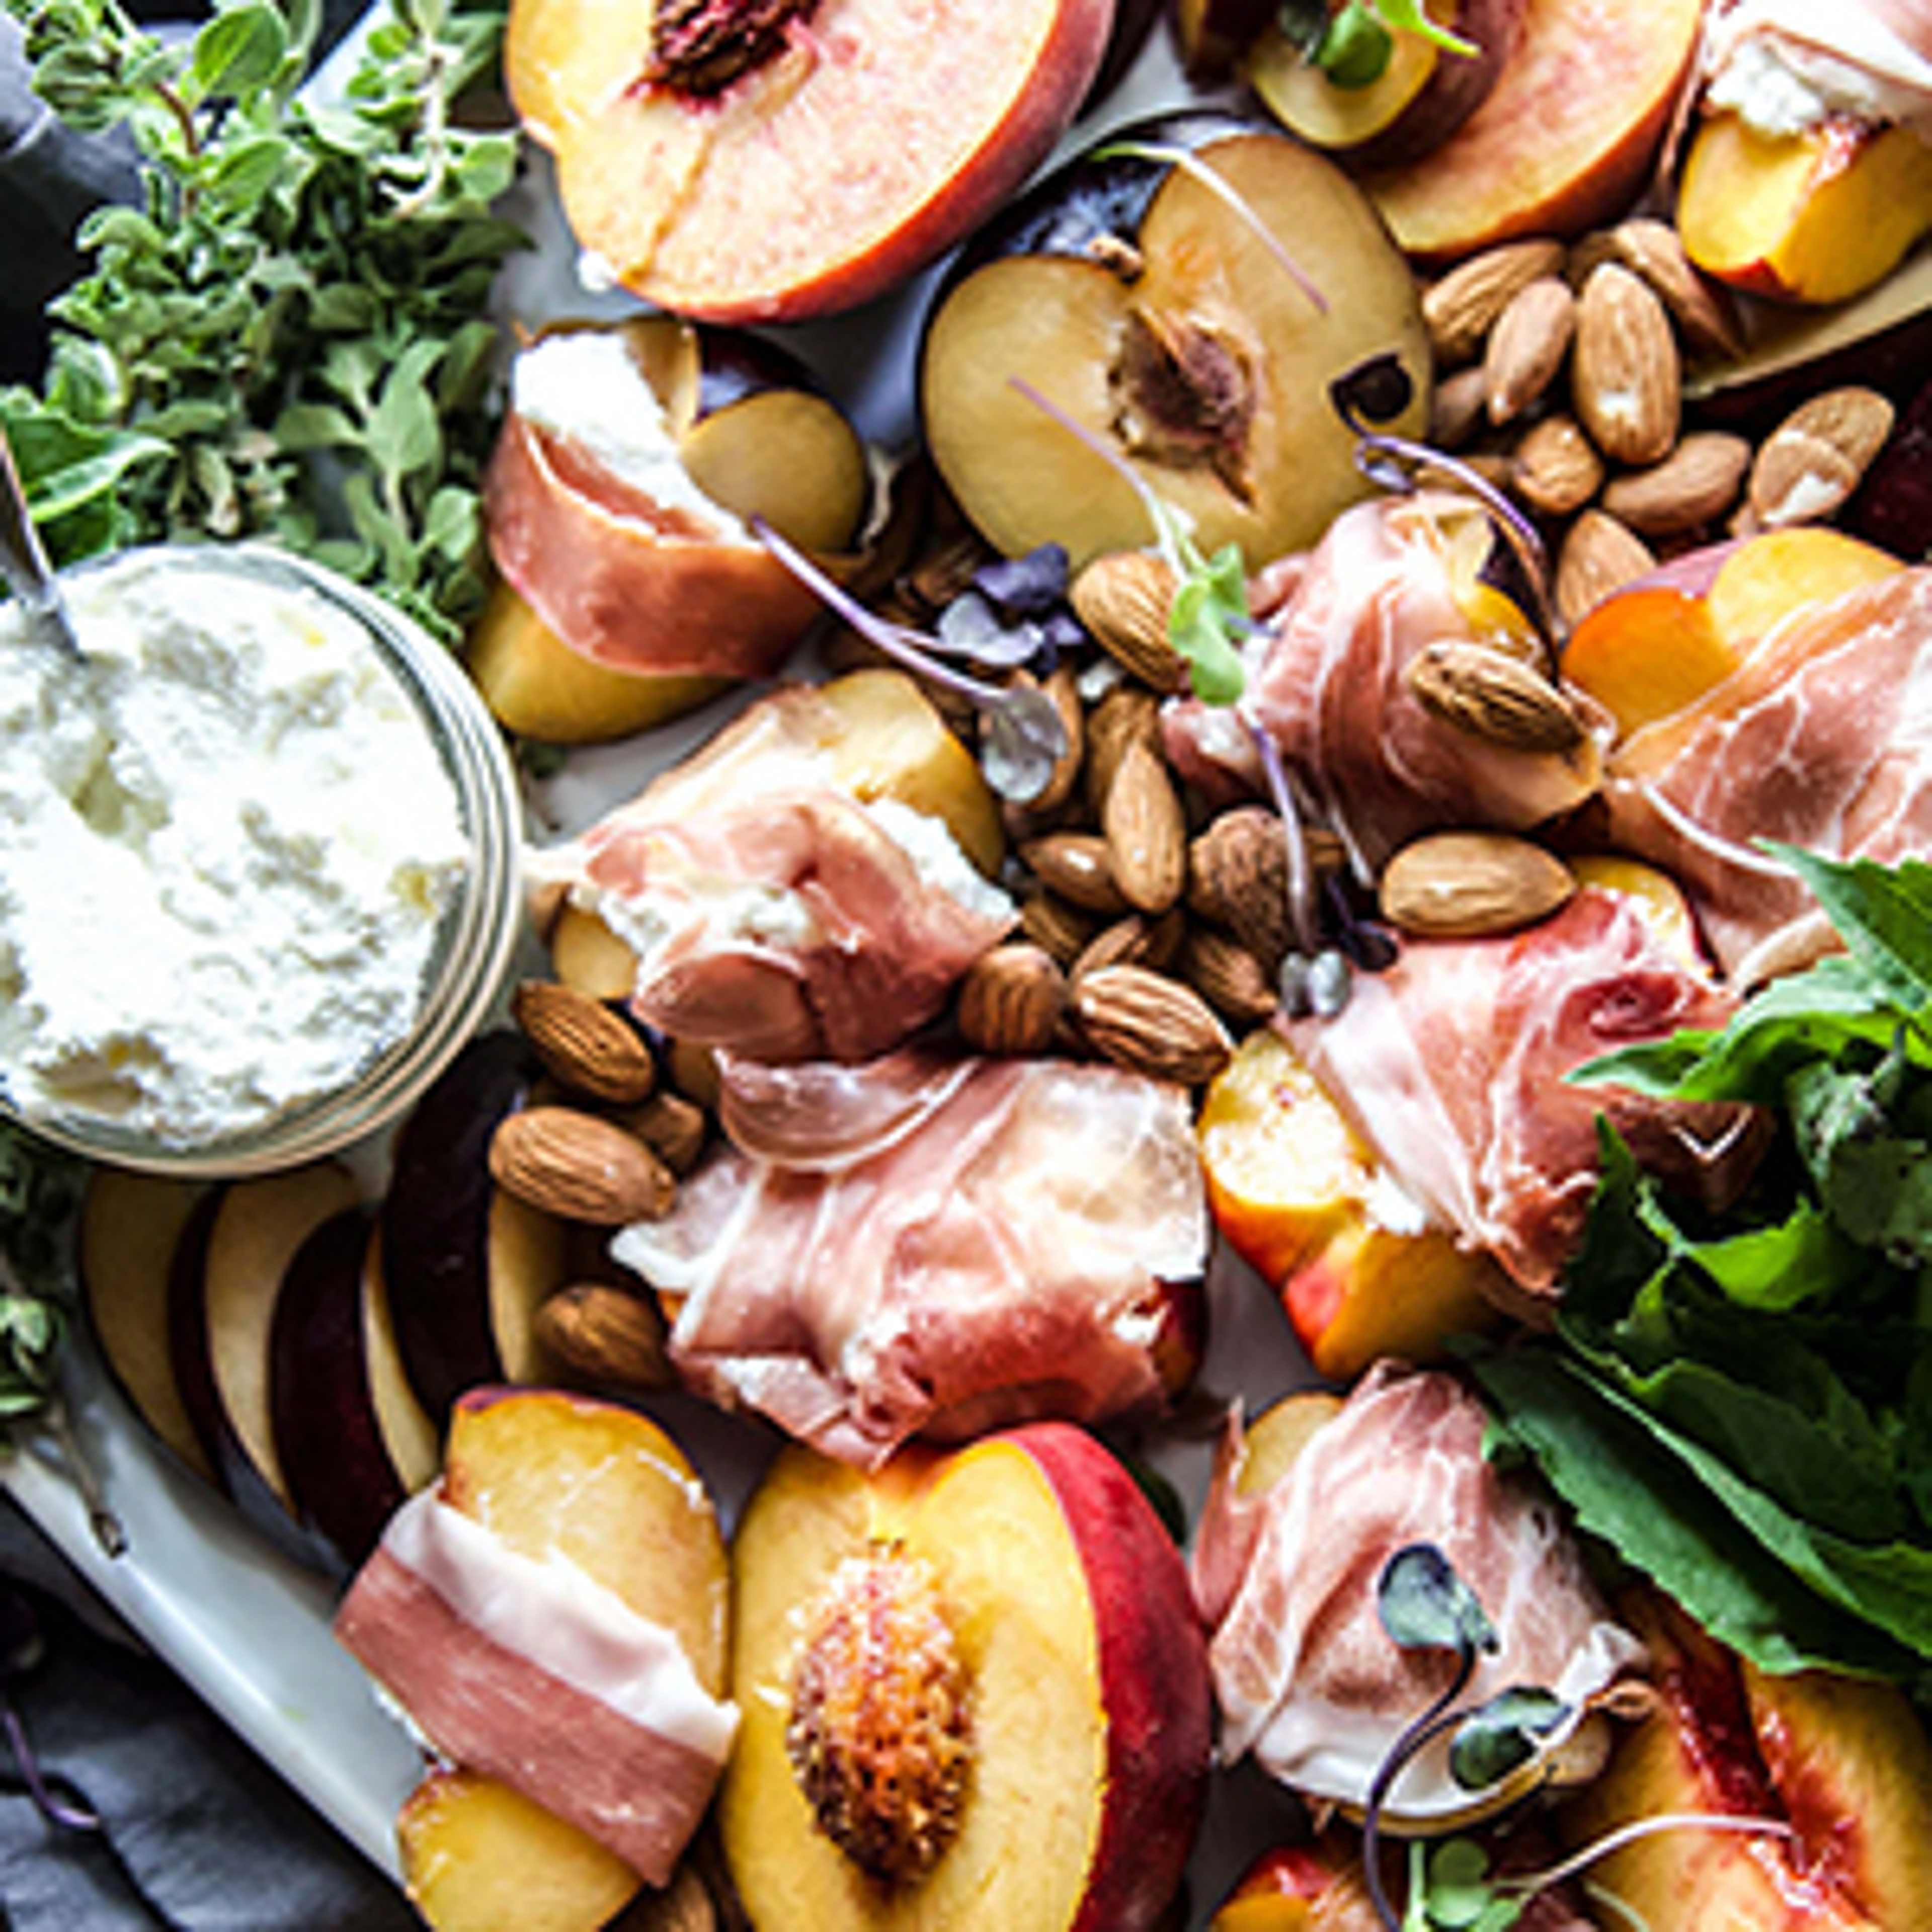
[258, 870]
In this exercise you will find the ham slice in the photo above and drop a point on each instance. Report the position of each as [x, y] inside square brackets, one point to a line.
[1823, 738]
[533, 1674]
[962, 1246]
[1451, 1065]
[1305, 1677]
[1327, 684]
[773, 913]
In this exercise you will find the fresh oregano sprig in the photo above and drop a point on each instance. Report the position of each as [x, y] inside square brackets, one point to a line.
[286, 337]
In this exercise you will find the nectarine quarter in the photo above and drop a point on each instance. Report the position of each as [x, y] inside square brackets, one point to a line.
[770, 160]
[1564, 138]
[1187, 294]
[974, 1691]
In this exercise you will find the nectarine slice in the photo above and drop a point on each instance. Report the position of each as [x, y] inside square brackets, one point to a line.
[1563, 138]
[1062, 1609]
[1817, 216]
[1777, 574]
[773, 162]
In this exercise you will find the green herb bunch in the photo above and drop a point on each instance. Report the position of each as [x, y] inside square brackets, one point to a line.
[286, 338]
[1741, 1405]
[38, 1189]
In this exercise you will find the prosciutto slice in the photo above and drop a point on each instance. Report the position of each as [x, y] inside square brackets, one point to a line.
[1452, 1066]
[1305, 1677]
[773, 913]
[533, 1674]
[1822, 738]
[1327, 684]
[963, 1245]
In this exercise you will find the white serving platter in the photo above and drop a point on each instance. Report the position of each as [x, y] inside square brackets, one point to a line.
[245, 1626]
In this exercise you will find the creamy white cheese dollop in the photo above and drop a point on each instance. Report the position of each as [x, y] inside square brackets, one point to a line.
[227, 843]
[1788, 65]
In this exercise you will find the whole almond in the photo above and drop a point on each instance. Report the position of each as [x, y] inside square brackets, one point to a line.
[1059, 929]
[584, 1044]
[1599, 555]
[1467, 885]
[1227, 976]
[1123, 598]
[1626, 375]
[1527, 347]
[580, 1167]
[1810, 463]
[1237, 876]
[1130, 714]
[1063, 687]
[1151, 1024]
[1459, 407]
[676, 1129]
[1011, 1000]
[1136, 940]
[1076, 865]
[608, 1335]
[1695, 484]
[1705, 316]
[1146, 830]
[1460, 309]
[1556, 468]
[1493, 696]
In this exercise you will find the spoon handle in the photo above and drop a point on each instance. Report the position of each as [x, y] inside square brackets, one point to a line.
[23, 562]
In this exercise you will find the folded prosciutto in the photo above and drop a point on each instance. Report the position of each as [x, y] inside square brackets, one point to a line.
[1451, 1065]
[1327, 684]
[1305, 1676]
[1822, 738]
[774, 912]
[922, 1247]
[533, 1674]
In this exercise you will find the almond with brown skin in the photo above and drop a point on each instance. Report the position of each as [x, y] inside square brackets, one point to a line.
[1060, 930]
[1011, 1000]
[1123, 598]
[1556, 468]
[608, 1335]
[676, 1129]
[1227, 976]
[1493, 696]
[1063, 688]
[1705, 316]
[1696, 483]
[1237, 876]
[1136, 940]
[1151, 1024]
[1527, 347]
[1459, 408]
[1146, 830]
[580, 1166]
[1130, 714]
[1470, 885]
[1810, 464]
[1600, 555]
[584, 1044]
[1075, 865]
[1626, 379]
[1460, 309]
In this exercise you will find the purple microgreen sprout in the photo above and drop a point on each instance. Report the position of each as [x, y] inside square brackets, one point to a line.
[1396, 464]
[1022, 735]
[22, 1647]
[1032, 585]
[1224, 191]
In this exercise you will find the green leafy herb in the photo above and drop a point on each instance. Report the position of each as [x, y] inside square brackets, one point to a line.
[38, 1189]
[1737, 1403]
[1501, 1736]
[1353, 44]
[285, 338]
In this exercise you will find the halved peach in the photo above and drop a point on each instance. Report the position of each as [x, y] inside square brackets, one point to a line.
[1839, 1768]
[751, 161]
[1563, 138]
[985, 1668]
[1817, 216]
[1297, 1193]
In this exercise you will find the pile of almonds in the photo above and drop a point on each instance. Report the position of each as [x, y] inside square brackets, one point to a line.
[1560, 375]
[606, 1147]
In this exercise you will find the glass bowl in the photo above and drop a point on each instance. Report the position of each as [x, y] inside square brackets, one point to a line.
[477, 935]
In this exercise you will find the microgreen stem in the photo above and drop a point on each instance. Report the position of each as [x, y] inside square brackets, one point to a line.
[1392, 462]
[1586, 1855]
[1224, 191]
[1439, 1717]
[1301, 888]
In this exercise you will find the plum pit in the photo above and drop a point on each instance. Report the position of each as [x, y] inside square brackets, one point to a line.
[878, 1737]
[1183, 392]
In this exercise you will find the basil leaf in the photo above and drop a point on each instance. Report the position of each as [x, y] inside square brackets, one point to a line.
[1882, 913]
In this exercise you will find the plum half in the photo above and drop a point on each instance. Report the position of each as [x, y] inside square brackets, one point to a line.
[1186, 293]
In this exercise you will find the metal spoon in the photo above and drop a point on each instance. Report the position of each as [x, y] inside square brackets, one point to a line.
[24, 563]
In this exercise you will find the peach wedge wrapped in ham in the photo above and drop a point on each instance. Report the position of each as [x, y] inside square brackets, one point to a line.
[924, 1246]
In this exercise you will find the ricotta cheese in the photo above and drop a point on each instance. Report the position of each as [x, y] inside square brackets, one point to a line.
[1786, 66]
[227, 845]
